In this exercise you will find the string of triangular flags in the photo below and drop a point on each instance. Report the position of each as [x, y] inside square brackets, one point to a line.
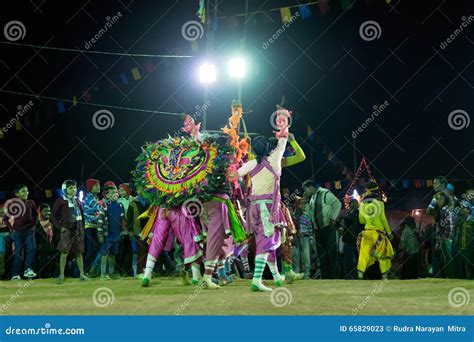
[87, 95]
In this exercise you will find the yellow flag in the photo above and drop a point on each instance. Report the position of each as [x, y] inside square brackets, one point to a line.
[429, 183]
[48, 193]
[74, 100]
[18, 125]
[285, 14]
[337, 185]
[136, 74]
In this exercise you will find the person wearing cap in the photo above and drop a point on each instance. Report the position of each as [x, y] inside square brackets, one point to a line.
[374, 241]
[92, 220]
[411, 249]
[464, 241]
[109, 234]
[68, 217]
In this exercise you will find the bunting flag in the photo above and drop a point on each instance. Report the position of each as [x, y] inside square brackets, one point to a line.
[136, 74]
[346, 4]
[74, 100]
[429, 183]
[418, 183]
[86, 96]
[194, 46]
[61, 107]
[305, 11]
[48, 193]
[18, 125]
[3, 195]
[149, 67]
[1, 134]
[337, 185]
[214, 24]
[285, 14]
[327, 185]
[309, 132]
[323, 7]
[364, 166]
[124, 78]
[405, 183]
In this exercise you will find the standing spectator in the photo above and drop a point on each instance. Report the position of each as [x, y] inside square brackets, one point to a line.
[92, 220]
[411, 249]
[109, 235]
[442, 209]
[21, 217]
[306, 235]
[464, 240]
[47, 238]
[128, 248]
[351, 228]
[125, 196]
[325, 208]
[4, 234]
[134, 226]
[68, 216]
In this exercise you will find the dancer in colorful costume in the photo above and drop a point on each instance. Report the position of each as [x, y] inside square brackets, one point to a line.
[264, 215]
[373, 242]
[178, 174]
[288, 224]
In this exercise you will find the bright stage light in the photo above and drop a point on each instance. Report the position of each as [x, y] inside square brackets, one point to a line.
[207, 73]
[237, 67]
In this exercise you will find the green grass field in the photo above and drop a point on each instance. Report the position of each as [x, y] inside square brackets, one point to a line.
[167, 296]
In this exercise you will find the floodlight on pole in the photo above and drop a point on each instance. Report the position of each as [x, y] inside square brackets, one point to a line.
[207, 73]
[237, 67]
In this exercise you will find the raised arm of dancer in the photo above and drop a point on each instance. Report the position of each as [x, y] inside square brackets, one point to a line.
[247, 167]
[299, 155]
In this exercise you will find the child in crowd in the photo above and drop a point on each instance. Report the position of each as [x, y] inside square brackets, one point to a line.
[109, 234]
[68, 216]
[46, 243]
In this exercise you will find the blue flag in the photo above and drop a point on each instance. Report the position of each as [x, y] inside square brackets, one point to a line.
[124, 78]
[305, 11]
[61, 107]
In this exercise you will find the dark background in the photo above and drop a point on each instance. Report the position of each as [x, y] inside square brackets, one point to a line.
[330, 77]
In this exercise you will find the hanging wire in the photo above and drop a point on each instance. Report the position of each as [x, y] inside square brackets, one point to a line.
[91, 103]
[94, 51]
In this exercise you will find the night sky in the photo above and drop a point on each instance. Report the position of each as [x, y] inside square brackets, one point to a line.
[330, 76]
